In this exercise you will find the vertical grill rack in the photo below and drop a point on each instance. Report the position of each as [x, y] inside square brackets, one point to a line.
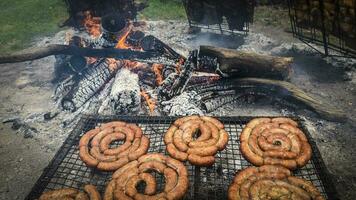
[327, 24]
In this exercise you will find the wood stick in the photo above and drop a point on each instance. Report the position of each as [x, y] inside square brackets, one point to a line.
[56, 49]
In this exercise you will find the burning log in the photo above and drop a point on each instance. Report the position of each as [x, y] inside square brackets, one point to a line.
[232, 63]
[175, 84]
[125, 93]
[92, 80]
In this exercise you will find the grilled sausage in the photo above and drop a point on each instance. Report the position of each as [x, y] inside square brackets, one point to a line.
[182, 145]
[275, 141]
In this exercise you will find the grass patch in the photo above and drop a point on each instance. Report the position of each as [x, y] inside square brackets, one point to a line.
[163, 10]
[272, 16]
[22, 20]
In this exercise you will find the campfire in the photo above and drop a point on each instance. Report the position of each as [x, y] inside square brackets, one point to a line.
[113, 67]
[149, 82]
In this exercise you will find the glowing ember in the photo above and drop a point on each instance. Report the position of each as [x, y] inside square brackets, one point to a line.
[91, 60]
[113, 64]
[179, 65]
[157, 69]
[92, 24]
[151, 103]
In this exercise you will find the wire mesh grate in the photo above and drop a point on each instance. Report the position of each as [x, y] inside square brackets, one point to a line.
[228, 17]
[67, 170]
[317, 25]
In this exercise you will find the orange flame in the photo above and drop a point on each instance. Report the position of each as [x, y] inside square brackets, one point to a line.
[151, 103]
[121, 44]
[157, 69]
[92, 24]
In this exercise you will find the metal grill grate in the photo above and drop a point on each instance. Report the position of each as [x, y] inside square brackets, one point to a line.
[217, 22]
[67, 170]
[316, 31]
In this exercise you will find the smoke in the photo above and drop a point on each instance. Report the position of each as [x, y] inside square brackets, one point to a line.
[216, 39]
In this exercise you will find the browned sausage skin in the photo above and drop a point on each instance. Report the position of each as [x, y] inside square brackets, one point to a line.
[91, 193]
[99, 154]
[270, 182]
[275, 141]
[125, 179]
[196, 139]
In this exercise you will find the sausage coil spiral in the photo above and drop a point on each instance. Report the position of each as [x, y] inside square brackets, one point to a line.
[181, 144]
[271, 182]
[90, 193]
[95, 151]
[270, 141]
[124, 180]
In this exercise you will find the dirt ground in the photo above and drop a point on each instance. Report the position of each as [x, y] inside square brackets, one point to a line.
[26, 91]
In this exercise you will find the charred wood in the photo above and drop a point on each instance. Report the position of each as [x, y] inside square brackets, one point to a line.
[175, 84]
[92, 80]
[233, 63]
[125, 93]
[215, 103]
[151, 43]
[57, 49]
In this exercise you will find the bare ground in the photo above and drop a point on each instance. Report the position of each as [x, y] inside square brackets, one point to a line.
[26, 93]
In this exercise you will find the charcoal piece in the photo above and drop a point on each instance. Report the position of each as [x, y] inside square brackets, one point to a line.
[91, 81]
[167, 70]
[125, 93]
[153, 44]
[215, 103]
[77, 64]
[135, 37]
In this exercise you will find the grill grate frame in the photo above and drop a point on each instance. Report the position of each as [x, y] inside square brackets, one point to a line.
[67, 170]
[332, 44]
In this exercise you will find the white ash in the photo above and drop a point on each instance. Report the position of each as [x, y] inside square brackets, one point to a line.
[186, 103]
[177, 37]
[125, 92]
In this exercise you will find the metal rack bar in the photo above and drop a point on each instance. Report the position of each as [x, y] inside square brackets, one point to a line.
[333, 44]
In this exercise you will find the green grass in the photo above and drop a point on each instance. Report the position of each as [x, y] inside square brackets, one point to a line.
[22, 20]
[163, 10]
